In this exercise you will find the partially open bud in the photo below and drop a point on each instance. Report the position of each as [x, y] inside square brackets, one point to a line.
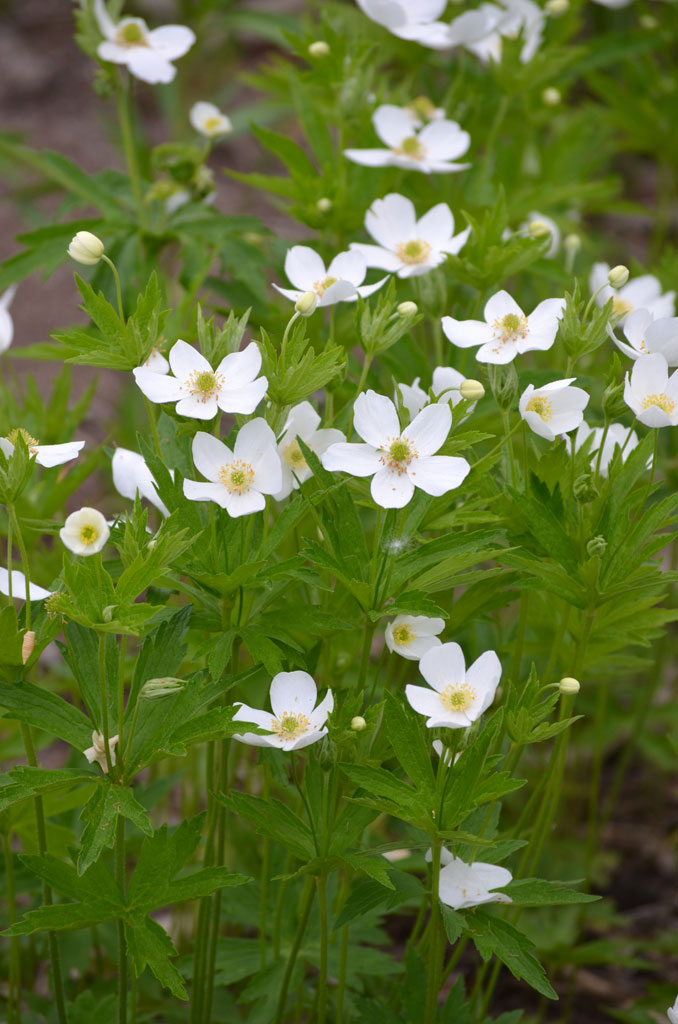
[551, 97]
[569, 686]
[572, 242]
[27, 645]
[538, 229]
[584, 489]
[556, 8]
[596, 546]
[318, 49]
[471, 390]
[156, 689]
[306, 304]
[618, 276]
[358, 723]
[324, 204]
[86, 248]
[408, 309]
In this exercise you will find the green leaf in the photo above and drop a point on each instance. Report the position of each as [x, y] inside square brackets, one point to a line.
[272, 818]
[28, 703]
[100, 816]
[410, 746]
[494, 936]
[537, 892]
[149, 945]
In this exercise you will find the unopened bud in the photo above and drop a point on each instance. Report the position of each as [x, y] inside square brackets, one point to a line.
[107, 613]
[569, 686]
[156, 689]
[584, 489]
[648, 22]
[306, 304]
[538, 229]
[471, 390]
[324, 204]
[556, 8]
[358, 723]
[408, 309]
[572, 242]
[86, 248]
[551, 97]
[318, 49]
[618, 276]
[27, 645]
[504, 383]
[596, 546]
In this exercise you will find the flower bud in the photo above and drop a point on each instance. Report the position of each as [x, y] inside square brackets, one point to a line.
[584, 489]
[324, 204]
[551, 97]
[408, 309]
[618, 276]
[596, 546]
[318, 49]
[648, 22]
[572, 242]
[569, 686]
[27, 645]
[471, 390]
[556, 8]
[107, 613]
[156, 689]
[504, 383]
[306, 304]
[358, 723]
[538, 229]
[86, 248]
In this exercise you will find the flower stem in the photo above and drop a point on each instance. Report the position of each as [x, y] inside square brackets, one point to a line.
[14, 994]
[118, 288]
[103, 696]
[322, 982]
[122, 947]
[305, 910]
[122, 97]
[434, 924]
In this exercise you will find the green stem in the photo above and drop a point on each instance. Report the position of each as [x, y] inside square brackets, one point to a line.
[322, 981]
[14, 995]
[122, 97]
[305, 910]
[508, 436]
[154, 429]
[122, 947]
[434, 966]
[263, 883]
[11, 513]
[118, 288]
[103, 697]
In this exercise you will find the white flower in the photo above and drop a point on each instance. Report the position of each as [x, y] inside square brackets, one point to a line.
[506, 330]
[131, 476]
[445, 388]
[207, 119]
[46, 455]
[415, 20]
[398, 461]
[617, 437]
[303, 422]
[97, 752]
[35, 592]
[200, 391]
[615, 5]
[406, 245]
[86, 248]
[296, 722]
[651, 394]
[672, 1012]
[237, 480]
[644, 292]
[442, 751]
[513, 18]
[554, 230]
[430, 149]
[458, 696]
[85, 532]
[463, 885]
[6, 323]
[147, 54]
[646, 335]
[553, 409]
[340, 282]
[412, 636]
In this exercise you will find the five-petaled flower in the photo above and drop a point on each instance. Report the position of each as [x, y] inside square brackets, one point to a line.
[147, 53]
[200, 391]
[398, 461]
[296, 722]
[47, 455]
[431, 149]
[237, 480]
[650, 393]
[207, 119]
[303, 422]
[457, 695]
[412, 636]
[553, 409]
[506, 330]
[463, 885]
[342, 281]
[85, 532]
[644, 292]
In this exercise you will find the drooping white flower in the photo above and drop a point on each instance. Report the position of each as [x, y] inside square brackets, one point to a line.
[97, 752]
[47, 455]
[553, 409]
[207, 119]
[407, 246]
[511, 19]
[131, 476]
[645, 334]
[35, 592]
[463, 885]
[672, 1012]
[147, 53]
[85, 532]
[340, 282]
[303, 422]
[86, 248]
[296, 722]
[398, 461]
[457, 695]
[644, 292]
[554, 230]
[506, 330]
[200, 391]
[237, 480]
[431, 149]
[6, 322]
[412, 636]
[415, 20]
[445, 387]
[650, 393]
[617, 437]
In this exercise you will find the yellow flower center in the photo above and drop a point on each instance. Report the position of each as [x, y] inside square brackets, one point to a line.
[288, 726]
[237, 477]
[411, 147]
[457, 698]
[205, 384]
[662, 402]
[423, 107]
[510, 327]
[89, 534]
[398, 454]
[320, 287]
[293, 455]
[130, 34]
[541, 406]
[416, 251]
[31, 442]
[621, 306]
[403, 634]
[212, 124]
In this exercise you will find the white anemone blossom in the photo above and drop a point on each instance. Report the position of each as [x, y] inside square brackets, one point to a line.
[644, 292]
[131, 476]
[407, 246]
[553, 409]
[508, 20]
[432, 149]
[85, 532]
[97, 752]
[506, 330]
[341, 281]
[415, 20]
[296, 722]
[303, 422]
[18, 581]
[200, 391]
[6, 322]
[456, 696]
[618, 436]
[463, 885]
[47, 455]
[650, 393]
[554, 230]
[237, 480]
[412, 636]
[398, 461]
[148, 54]
[445, 387]
[208, 120]
[645, 334]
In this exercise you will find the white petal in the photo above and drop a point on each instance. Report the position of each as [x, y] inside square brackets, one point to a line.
[210, 455]
[244, 504]
[444, 140]
[340, 291]
[356, 459]
[483, 677]
[295, 692]
[197, 408]
[375, 418]
[437, 226]
[443, 666]
[499, 306]
[542, 326]
[35, 592]
[172, 41]
[156, 386]
[497, 352]
[348, 266]
[428, 430]
[104, 19]
[289, 293]
[370, 157]
[376, 256]
[56, 454]
[392, 124]
[304, 267]
[185, 360]
[318, 716]
[391, 220]
[254, 716]
[322, 439]
[302, 421]
[438, 474]
[243, 399]
[240, 368]
[423, 701]
[201, 490]
[150, 66]
[466, 333]
[391, 489]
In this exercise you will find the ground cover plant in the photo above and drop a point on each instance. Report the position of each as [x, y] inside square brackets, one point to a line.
[325, 670]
